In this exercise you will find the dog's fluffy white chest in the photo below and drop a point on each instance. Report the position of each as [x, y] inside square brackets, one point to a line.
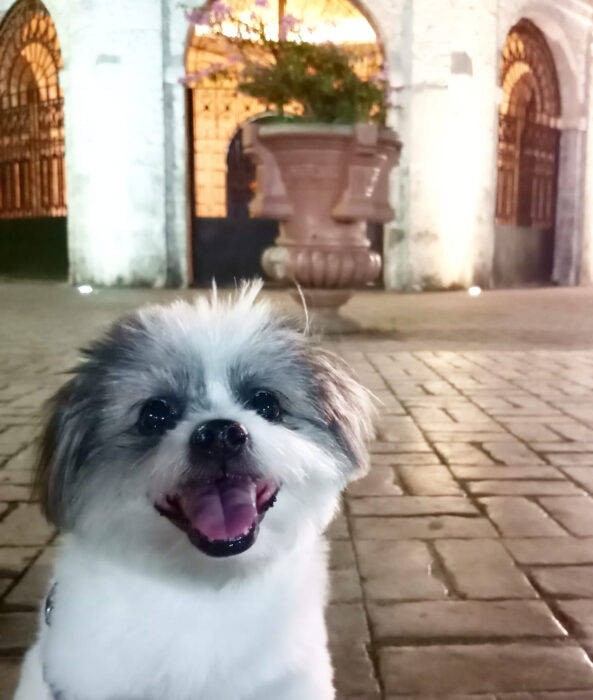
[117, 635]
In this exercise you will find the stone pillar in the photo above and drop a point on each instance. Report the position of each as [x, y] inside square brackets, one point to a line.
[586, 270]
[115, 150]
[569, 207]
[448, 126]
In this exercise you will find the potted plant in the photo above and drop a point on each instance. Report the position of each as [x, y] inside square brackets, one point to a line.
[323, 161]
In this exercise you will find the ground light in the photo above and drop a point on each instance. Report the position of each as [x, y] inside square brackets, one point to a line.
[85, 289]
[474, 291]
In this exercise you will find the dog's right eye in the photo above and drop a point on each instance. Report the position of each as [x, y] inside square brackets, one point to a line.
[156, 417]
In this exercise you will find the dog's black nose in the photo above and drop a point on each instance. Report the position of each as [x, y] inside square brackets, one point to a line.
[219, 438]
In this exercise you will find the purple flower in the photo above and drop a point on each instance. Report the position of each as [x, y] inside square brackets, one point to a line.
[220, 11]
[262, 3]
[198, 17]
[380, 77]
[287, 24]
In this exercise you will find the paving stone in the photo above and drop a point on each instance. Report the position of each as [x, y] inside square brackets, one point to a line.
[467, 436]
[561, 447]
[484, 668]
[511, 453]
[551, 550]
[12, 494]
[501, 471]
[582, 475]
[579, 614]
[429, 481]
[569, 459]
[482, 569]
[399, 571]
[24, 459]
[9, 675]
[344, 586]
[455, 619]
[413, 505]
[17, 630]
[575, 514]
[14, 559]
[391, 447]
[341, 555]
[421, 528]
[346, 624]
[398, 429]
[25, 526]
[574, 581]
[412, 458]
[380, 481]
[462, 453]
[16, 477]
[523, 488]
[518, 517]
[354, 674]
[338, 528]
[33, 586]
[532, 432]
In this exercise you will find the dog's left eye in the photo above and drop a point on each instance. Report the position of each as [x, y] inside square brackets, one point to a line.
[266, 405]
[157, 416]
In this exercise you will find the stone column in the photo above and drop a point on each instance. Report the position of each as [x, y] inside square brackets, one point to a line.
[115, 150]
[448, 126]
[586, 270]
[569, 207]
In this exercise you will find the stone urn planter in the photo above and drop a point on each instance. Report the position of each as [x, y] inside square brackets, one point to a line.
[323, 183]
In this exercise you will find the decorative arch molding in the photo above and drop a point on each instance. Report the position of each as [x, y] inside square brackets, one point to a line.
[32, 170]
[528, 140]
[552, 22]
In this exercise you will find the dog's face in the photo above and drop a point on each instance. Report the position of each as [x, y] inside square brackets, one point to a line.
[202, 431]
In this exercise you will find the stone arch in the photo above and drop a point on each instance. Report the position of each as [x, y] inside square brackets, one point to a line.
[32, 172]
[215, 112]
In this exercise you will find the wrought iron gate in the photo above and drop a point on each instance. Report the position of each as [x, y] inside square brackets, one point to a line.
[32, 170]
[528, 150]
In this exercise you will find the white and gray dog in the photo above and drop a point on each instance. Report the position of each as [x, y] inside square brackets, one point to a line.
[194, 460]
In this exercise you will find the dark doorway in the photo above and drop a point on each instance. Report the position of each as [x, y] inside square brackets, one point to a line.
[528, 151]
[228, 249]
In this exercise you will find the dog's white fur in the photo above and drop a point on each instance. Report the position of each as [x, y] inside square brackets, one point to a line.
[140, 614]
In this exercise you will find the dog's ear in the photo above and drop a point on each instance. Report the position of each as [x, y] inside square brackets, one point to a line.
[347, 406]
[65, 445]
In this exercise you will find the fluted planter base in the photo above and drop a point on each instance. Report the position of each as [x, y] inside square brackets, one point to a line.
[323, 183]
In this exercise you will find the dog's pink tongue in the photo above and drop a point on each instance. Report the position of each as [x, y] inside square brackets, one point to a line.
[224, 510]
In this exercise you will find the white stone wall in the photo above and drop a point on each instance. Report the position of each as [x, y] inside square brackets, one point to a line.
[126, 138]
[447, 116]
[125, 145]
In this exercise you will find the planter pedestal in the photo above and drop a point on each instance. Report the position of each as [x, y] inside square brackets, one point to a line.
[323, 183]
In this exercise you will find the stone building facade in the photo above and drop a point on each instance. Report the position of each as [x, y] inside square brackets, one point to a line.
[127, 150]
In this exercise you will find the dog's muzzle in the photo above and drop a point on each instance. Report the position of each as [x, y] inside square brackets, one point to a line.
[220, 513]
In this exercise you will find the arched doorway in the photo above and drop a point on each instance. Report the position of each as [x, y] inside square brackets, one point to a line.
[32, 168]
[225, 243]
[528, 149]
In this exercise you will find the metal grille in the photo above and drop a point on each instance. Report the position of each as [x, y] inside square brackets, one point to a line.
[528, 137]
[32, 172]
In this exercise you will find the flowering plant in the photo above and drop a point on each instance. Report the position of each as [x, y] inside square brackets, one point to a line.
[291, 76]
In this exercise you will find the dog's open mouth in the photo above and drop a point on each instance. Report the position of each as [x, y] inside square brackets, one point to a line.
[222, 517]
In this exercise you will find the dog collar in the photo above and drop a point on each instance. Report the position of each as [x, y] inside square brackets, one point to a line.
[48, 607]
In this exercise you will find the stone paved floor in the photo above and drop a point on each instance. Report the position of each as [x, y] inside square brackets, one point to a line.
[463, 564]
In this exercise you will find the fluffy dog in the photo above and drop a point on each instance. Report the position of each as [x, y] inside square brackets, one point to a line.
[194, 460]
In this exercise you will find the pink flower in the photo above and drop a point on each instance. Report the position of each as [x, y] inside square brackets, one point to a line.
[380, 77]
[198, 17]
[220, 11]
[262, 3]
[288, 23]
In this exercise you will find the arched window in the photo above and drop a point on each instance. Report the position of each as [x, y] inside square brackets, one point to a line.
[528, 135]
[32, 172]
